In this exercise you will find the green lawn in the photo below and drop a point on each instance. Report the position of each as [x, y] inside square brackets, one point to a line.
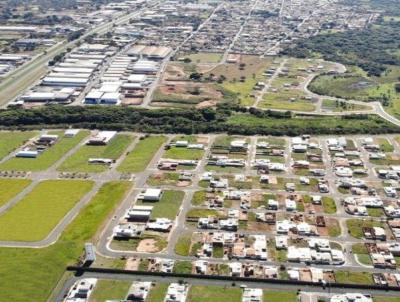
[11, 140]
[140, 157]
[279, 296]
[329, 205]
[48, 157]
[287, 100]
[9, 188]
[200, 293]
[33, 217]
[110, 290]
[78, 162]
[182, 267]
[183, 153]
[37, 271]
[182, 247]
[199, 198]
[353, 277]
[157, 293]
[167, 206]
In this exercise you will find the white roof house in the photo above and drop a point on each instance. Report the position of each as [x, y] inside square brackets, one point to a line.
[176, 293]
[151, 195]
[252, 295]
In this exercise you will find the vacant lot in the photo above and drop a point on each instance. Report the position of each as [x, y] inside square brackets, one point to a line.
[9, 188]
[9, 141]
[168, 205]
[240, 78]
[279, 296]
[140, 157]
[33, 217]
[110, 290]
[48, 157]
[78, 162]
[157, 293]
[353, 277]
[214, 294]
[37, 271]
[183, 153]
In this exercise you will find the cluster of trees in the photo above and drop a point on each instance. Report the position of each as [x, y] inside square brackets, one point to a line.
[372, 48]
[190, 121]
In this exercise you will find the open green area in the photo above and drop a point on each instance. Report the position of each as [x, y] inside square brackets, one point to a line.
[79, 161]
[353, 277]
[139, 158]
[48, 157]
[198, 293]
[291, 99]
[329, 205]
[182, 267]
[182, 247]
[9, 188]
[37, 271]
[11, 140]
[157, 292]
[110, 290]
[33, 217]
[199, 197]
[239, 80]
[279, 296]
[183, 153]
[167, 206]
[355, 226]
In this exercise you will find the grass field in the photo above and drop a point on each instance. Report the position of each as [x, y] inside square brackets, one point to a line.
[182, 247]
[279, 296]
[33, 217]
[48, 157]
[200, 293]
[157, 293]
[167, 206]
[329, 205]
[286, 100]
[9, 141]
[140, 157]
[37, 271]
[183, 153]
[78, 162]
[353, 277]
[9, 188]
[240, 81]
[110, 290]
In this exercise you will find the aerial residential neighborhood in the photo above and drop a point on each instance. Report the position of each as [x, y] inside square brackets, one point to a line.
[200, 150]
